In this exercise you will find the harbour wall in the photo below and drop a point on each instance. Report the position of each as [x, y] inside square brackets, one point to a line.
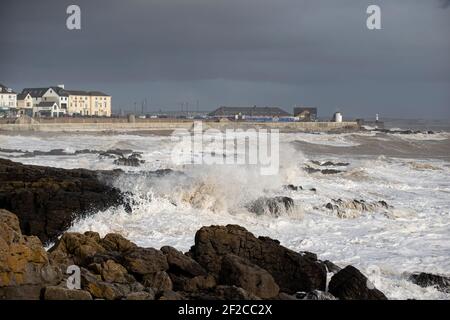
[125, 125]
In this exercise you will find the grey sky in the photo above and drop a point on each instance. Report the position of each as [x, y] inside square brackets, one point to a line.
[237, 52]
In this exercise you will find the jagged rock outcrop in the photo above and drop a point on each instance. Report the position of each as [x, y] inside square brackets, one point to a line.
[226, 263]
[275, 206]
[292, 271]
[24, 263]
[47, 200]
[354, 208]
[423, 279]
[248, 276]
[351, 284]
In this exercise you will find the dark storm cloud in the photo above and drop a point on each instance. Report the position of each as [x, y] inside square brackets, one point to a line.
[281, 52]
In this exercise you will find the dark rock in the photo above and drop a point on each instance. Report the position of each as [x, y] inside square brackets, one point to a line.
[423, 279]
[47, 200]
[233, 293]
[353, 208]
[131, 161]
[171, 295]
[309, 169]
[159, 281]
[351, 284]
[330, 163]
[331, 171]
[60, 293]
[242, 273]
[285, 296]
[76, 248]
[309, 255]
[140, 295]
[291, 271]
[292, 187]
[106, 290]
[275, 206]
[142, 261]
[181, 264]
[195, 284]
[331, 267]
[116, 242]
[318, 295]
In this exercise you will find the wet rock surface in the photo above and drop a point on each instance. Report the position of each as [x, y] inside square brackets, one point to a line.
[423, 279]
[275, 206]
[350, 284]
[47, 200]
[354, 208]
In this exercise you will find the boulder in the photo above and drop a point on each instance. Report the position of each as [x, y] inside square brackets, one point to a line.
[24, 265]
[114, 272]
[233, 293]
[101, 289]
[195, 284]
[76, 248]
[423, 279]
[242, 273]
[140, 295]
[116, 242]
[181, 264]
[60, 293]
[351, 284]
[171, 295]
[275, 206]
[47, 200]
[142, 261]
[291, 271]
[159, 281]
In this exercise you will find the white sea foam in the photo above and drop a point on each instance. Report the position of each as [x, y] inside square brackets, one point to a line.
[168, 210]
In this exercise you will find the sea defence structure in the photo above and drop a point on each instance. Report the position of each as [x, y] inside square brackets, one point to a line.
[131, 124]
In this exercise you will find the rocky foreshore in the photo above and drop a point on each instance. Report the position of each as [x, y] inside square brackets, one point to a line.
[47, 200]
[225, 263]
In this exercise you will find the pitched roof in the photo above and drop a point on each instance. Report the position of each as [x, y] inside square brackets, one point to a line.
[4, 89]
[22, 96]
[60, 91]
[35, 92]
[250, 111]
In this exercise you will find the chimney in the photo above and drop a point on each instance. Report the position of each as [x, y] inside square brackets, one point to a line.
[61, 86]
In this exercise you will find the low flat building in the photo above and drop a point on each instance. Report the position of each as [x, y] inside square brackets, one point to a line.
[305, 113]
[270, 113]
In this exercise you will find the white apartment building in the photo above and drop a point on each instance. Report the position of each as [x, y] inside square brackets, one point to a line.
[8, 98]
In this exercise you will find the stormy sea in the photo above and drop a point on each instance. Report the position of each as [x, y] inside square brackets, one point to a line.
[378, 200]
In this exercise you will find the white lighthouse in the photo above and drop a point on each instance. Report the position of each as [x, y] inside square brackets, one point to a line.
[337, 117]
